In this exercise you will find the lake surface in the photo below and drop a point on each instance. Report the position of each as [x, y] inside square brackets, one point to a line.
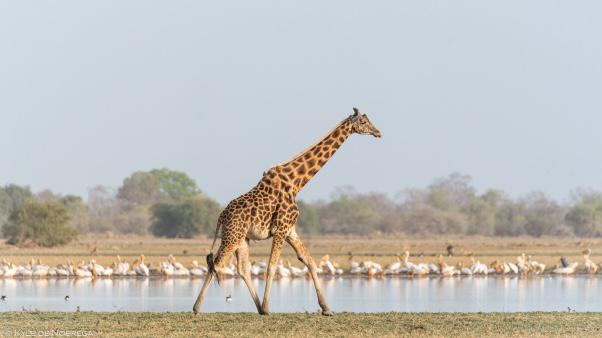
[352, 294]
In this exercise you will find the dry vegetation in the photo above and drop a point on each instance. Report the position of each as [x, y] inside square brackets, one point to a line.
[309, 325]
[380, 249]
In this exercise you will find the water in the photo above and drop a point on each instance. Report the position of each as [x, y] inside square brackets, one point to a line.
[431, 294]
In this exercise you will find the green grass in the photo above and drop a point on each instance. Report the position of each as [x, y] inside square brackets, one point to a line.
[540, 324]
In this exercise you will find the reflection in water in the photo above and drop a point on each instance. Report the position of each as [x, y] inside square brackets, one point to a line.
[431, 294]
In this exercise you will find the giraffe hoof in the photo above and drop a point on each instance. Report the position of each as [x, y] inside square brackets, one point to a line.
[264, 312]
[327, 313]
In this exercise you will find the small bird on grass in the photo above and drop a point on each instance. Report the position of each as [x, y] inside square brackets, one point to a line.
[77, 309]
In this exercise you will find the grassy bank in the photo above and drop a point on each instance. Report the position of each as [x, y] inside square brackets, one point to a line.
[308, 325]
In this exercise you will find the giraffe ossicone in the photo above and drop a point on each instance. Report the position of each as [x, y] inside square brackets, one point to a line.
[270, 210]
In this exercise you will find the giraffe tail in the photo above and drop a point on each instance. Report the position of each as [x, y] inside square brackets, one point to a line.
[210, 258]
[211, 267]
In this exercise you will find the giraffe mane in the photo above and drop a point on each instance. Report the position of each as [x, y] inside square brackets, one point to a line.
[313, 144]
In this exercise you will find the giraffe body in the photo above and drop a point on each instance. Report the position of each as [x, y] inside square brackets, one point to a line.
[270, 210]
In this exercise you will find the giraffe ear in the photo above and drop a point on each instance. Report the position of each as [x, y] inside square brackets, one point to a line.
[356, 111]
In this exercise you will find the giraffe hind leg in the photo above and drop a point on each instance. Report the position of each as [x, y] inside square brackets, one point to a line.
[199, 300]
[227, 247]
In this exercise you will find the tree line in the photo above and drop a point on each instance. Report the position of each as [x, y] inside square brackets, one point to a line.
[168, 203]
[451, 205]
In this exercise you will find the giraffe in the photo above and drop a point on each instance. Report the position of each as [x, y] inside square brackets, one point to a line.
[270, 210]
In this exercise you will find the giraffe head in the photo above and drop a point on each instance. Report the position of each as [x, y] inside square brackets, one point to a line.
[362, 125]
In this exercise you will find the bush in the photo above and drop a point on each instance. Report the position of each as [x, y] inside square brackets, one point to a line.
[184, 219]
[585, 217]
[11, 198]
[135, 220]
[309, 221]
[40, 223]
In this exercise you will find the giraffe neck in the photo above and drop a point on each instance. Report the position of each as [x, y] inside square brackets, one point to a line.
[301, 169]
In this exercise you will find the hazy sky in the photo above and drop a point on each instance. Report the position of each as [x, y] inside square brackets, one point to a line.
[509, 92]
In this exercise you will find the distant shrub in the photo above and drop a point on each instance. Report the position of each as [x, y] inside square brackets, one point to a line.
[184, 219]
[39, 223]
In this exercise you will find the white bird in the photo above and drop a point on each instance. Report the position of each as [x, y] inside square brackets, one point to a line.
[478, 268]
[62, 271]
[80, 271]
[356, 268]
[590, 266]
[197, 270]
[140, 268]
[122, 268]
[414, 269]
[179, 269]
[282, 271]
[24, 271]
[39, 270]
[512, 267]
[327, 266]
[10, 270]
[258, 269]
[229, 270]
[393, 268]
[297, 272]
[535, 266]
[446, 270]
[566, 270]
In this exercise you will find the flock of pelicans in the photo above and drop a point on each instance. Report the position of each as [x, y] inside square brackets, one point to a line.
[402, 266]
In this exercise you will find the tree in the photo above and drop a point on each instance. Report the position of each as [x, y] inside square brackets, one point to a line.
[40, 223]
[433, 211]
[78, 213]
[11, 198]
[542, 215]
[585, 217]
[351, 213]
[451, 193]
[428, 220]
[309, 220]
[135, 220]
[78, 210]
[184, 219]
[510, 219]
[140, 188]
[103, 208]
[156, 186]
[481, 213]
[174, 185]
[209, 210]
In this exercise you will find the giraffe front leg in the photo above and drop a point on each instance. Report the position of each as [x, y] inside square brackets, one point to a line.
[244, 267]
[274, 256]
[303, 254]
